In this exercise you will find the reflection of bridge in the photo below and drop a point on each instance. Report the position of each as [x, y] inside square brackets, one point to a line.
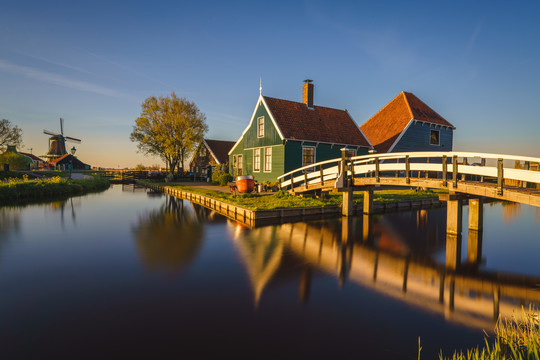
[354, 251]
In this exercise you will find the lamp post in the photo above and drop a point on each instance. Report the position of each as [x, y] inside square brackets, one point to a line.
[71, 160]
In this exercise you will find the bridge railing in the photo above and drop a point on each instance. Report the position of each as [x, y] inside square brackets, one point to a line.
[446, 166]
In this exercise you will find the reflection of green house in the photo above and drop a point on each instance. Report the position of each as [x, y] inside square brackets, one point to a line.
[284, 135]
[14, 160]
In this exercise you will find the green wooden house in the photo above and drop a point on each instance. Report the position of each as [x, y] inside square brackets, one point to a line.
[284, 135]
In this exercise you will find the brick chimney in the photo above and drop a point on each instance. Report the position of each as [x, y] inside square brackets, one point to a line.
[307, 93]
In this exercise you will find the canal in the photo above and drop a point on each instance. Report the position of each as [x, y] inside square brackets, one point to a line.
[133, 273]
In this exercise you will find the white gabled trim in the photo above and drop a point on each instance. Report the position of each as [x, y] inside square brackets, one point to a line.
[211, 152]
[259, 101]
[361, 132]
[400, 135]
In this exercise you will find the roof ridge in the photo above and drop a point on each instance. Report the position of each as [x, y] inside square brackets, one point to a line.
[301, 103]
[407, 102]
[384, 107]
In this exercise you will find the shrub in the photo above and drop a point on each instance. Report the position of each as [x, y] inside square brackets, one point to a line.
[221, 177]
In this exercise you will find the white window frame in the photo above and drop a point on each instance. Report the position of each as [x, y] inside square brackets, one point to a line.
[314, 156]
[438, 137]
[260, 126]
[268, 152]
[257, 164]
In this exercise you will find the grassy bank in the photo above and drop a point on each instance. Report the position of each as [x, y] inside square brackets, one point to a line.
[26, 189]
[282, 199]
[515, 338]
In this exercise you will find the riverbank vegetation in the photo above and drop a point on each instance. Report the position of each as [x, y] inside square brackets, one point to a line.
[515, 338]
[24, 188]
[283, 199]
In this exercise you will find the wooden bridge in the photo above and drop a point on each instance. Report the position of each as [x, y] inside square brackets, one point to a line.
[504, 177]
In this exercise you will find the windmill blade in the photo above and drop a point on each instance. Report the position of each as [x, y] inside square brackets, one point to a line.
[50, 133]
[62, 126]
[69, 138]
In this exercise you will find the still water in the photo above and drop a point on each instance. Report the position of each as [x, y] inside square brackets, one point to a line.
[129, 273]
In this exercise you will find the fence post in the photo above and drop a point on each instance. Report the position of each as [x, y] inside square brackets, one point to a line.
[454, 171]
[322, 175]
[352, 173]
[500, 176]
[444, 170]
[305, 178]
[377, 175]
[292, 181]
[407, 170]
[279, 183]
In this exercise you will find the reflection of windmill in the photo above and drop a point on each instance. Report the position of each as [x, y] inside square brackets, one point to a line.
[57, 142]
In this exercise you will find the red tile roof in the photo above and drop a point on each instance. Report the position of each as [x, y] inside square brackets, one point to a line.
[319, 124]
[386, 125]
[220, 149]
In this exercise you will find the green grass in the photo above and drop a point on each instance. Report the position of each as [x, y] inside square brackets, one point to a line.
[515, 338]
[24, 189]
[282, 199]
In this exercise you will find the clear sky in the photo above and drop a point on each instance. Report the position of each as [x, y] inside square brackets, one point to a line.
[477, 63]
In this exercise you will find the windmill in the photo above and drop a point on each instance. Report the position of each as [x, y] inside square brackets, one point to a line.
[57, 142]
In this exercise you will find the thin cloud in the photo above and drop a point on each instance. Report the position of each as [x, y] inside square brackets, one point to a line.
[59, 80]
[125, 67]
[56, 63]
[473, 37]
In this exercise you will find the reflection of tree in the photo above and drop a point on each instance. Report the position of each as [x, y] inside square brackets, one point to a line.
[169, 238]
[9, 222]
[261, 250]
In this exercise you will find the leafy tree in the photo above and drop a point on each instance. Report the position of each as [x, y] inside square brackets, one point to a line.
[9, 134]
[169, 127]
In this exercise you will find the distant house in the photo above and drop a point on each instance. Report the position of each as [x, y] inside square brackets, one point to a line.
[408, 124]
[210, 154]
[67, 160]
[37, 162]
[283, 135]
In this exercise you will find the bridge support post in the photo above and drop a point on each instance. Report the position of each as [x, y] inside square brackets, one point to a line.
[476, 214]
[453, 251]
[347, 206]
[454, 211]
[368, 201]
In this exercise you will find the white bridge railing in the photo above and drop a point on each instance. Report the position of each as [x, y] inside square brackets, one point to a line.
[446, 166]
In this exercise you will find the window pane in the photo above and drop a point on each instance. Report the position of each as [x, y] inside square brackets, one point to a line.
[434, 137]
[268, 159]
[256, 160]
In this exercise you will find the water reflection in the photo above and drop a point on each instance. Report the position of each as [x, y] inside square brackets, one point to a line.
[391, 255]
[261, 251]
[10, 223]
[169, 238]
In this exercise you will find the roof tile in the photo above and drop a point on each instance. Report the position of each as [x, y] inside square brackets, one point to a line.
[383, 128]
[320, 124]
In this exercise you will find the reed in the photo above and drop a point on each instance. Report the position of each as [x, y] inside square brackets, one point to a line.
[515, 338]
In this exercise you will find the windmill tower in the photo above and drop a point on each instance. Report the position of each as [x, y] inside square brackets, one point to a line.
[57, 143]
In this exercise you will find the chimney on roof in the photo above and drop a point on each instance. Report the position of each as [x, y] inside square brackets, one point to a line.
[307, 93]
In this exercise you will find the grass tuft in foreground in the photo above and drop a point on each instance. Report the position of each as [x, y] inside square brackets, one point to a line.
[515, 338]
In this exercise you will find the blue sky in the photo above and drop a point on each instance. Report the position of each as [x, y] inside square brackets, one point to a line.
[93, 63]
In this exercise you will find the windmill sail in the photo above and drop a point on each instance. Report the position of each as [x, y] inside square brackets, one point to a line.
[57, 142]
